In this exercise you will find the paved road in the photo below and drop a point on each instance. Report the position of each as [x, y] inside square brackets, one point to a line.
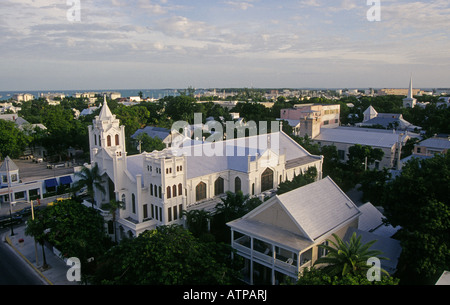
[13, 270]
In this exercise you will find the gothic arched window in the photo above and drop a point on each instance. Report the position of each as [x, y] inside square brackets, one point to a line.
[168, 192]
[117, 139]
[174, 190]
[218, 186]
[180, 189]
[267, 180]
[108, 140]
[237, 184]
[200, 191]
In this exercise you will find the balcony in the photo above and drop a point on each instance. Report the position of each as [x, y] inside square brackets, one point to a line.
[263, 253]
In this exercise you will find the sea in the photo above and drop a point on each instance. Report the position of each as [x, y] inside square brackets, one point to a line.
[147, 93]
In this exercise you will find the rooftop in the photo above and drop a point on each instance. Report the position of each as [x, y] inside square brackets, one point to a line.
[363, 136]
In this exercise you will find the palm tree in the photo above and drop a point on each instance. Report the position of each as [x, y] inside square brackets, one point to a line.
[90, 178]
[351, 257]
[232, 206]
[197, 221]
[112, 207]
[36, 228]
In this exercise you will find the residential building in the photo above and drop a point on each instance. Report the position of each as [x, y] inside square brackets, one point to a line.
[30, 181]
[327, 115]
[282, 236]
[439, 144]
[390, 142]
[386, 120]
[157, 186]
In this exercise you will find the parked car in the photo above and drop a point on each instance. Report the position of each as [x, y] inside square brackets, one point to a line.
[6, 220]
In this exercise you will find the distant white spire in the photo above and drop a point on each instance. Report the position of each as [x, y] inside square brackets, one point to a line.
[410, 91]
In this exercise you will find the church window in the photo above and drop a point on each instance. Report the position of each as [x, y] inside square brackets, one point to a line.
[160, 192]
[156, 191]
[267, 180]
[108, 141]
[253, 189]
[180, 189]
[175, 213]
[218, 186]
[133, 203]
[145, 211]
[237, 184]
[168, 192]
[117, 139]
[174, 190]
[99, 141]
[169, 214]
[200, 191]
[151, 189]
[95, 140]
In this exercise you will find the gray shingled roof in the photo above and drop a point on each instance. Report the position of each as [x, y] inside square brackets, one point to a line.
[12, 166]
[317, 209]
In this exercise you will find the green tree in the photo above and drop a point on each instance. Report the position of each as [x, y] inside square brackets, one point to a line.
[360, 156]
[168, 255]
[148, 143]
[309, 176]
[36, 227]
[12, 141]
[197, 221]
[91, 179]
[112, 208]
[417, 201]
[315, 276]
[347, 257]
[74, 229]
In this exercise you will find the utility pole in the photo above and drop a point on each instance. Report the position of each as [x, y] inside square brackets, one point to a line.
[9, 195]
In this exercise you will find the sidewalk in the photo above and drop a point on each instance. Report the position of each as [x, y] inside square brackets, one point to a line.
[24, 246]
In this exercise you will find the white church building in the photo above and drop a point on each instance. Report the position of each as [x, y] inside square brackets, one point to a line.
[157, 186]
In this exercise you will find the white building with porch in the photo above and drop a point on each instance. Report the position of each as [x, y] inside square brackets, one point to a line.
[157, 186]
[281, 237]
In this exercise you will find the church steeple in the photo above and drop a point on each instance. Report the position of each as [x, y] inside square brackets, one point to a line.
[409, 101]
[105, 113]
[106, 134]
[410, 91]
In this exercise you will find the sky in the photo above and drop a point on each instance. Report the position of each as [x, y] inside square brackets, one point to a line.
[157, 44]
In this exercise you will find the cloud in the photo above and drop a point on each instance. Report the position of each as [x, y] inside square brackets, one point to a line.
[241, 5]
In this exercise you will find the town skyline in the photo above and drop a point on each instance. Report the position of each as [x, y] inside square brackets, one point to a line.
[70, 45]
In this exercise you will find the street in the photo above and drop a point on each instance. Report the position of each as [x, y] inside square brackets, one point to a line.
[13, 269]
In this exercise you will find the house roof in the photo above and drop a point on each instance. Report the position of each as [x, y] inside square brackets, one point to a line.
[371, 220]
[389, 247]
[8, 163]
[440, 143]
[323, 206]
[370, 110]
[153, 132]
[234, 154]
[363, 136]
[391, 120]
[315, 210]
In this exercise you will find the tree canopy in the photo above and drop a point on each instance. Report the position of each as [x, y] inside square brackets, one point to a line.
[168, 255]
[417, 201]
